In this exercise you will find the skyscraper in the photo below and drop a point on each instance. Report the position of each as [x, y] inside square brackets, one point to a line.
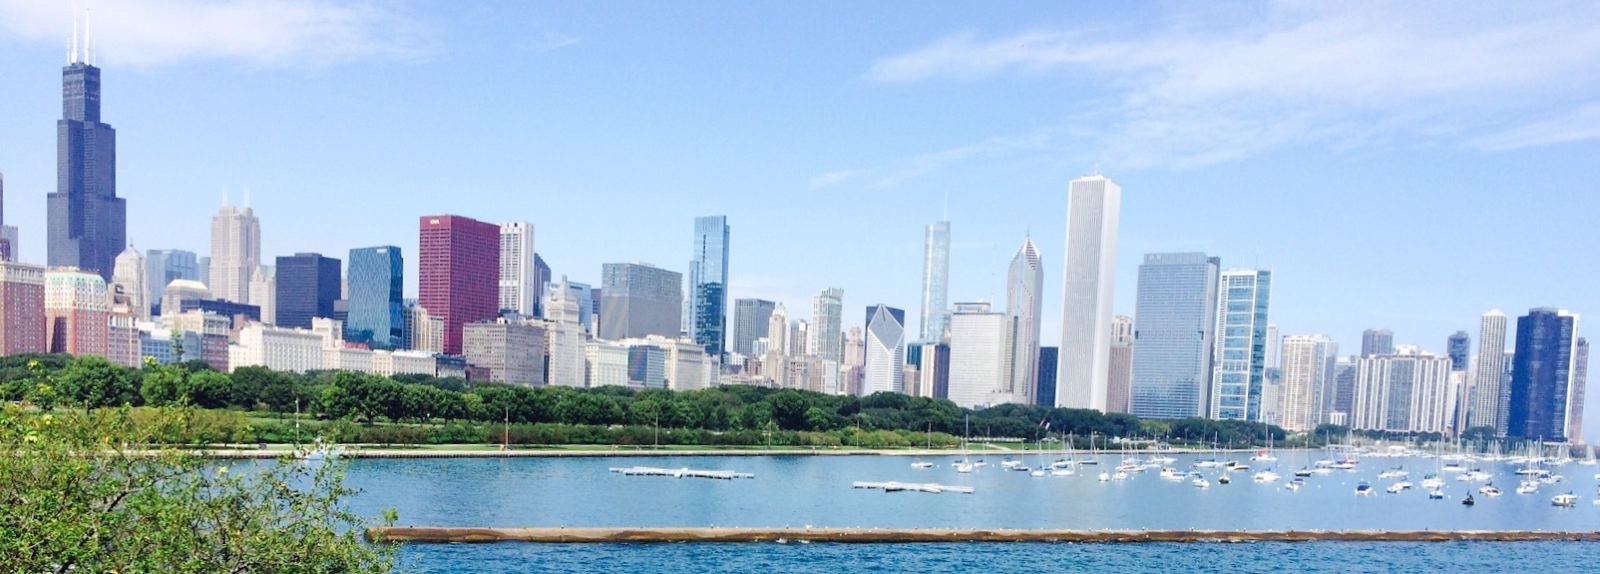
[1403, 392]
[1377, 342]
[128, 283]
[1457, 348]
[458, 273]
[1485, 390]
[1174, 329]
[88, 222]
[163, 266]
[935, 281]
[708, 284]
[1541, 376]
[640, 299]
[1119, 381]
[1024, 287]
[827, 317]
[377, 308]
[1580, 387]
[308, 284]
[77, 312]
[519, 276]
[978, 356]
[884, 363]
[1047, 376]
[235, 253]
[1307, 366]
[750, 317]
[1094, 205]
[22, 318]
[1240, 364]
[9, 249]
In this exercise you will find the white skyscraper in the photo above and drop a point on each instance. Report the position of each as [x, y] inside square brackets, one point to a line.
[519, 277]
[128, 283]
[1408, 391]
[235, 253]
[1485, 391]
[264, 292]
[978, 356]
[1307, 367]
[882, 371]
[1094, 205]
[827, 312]
[1238, 381]
[1024, 286]
[935, 281]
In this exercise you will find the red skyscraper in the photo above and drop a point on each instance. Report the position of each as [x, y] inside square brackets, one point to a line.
[459, 273]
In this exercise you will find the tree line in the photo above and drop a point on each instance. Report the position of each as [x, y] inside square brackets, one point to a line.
[367, 400]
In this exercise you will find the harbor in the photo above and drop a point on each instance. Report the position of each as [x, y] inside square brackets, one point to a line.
[913, 487]
[413, 534]
[681, 472]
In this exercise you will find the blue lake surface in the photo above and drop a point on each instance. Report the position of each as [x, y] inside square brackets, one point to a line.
[796, 491]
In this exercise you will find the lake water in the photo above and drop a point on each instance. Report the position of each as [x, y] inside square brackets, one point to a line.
[795, 491]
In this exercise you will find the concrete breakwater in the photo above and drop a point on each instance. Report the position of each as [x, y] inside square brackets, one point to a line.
[891, 535]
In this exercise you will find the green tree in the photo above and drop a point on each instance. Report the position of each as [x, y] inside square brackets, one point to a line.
[163, 384]
[73, 498]
[209, 389]
[94, 382]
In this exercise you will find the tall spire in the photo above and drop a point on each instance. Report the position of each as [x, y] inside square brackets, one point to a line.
[72, 56]
[86, 36]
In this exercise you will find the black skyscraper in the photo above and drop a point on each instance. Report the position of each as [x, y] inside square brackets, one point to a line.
[88, 226]
[1541, 375]
[308, 284]
[1458, 348]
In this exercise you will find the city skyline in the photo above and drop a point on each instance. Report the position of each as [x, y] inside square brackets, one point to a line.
[1320, 298]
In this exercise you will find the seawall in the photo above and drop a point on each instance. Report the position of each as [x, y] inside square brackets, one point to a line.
[889, 535]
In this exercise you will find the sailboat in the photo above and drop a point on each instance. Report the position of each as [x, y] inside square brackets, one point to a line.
[965, 465]
[922, 463]
[1041, 471]
[1568, 500]
[1265, 455]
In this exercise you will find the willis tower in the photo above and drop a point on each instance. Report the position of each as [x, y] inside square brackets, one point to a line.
[87, 227]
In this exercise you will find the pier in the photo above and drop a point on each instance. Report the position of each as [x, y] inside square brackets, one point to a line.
[920, 535]
[681, 472]
[913, 487]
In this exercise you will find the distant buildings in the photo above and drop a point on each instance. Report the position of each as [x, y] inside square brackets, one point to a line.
[1094, 205]
[22, 314]
[1542, 376]
[376, 287]
[87, 221]
[1119, 381]
[1580, 385]
[163, 266]
[1173, 336]
[128, 283]
[77, 312]
[1024, 287]
[708, 284]
[505, 352]
[1485, 390]
[1457, 347]
[235, 253]
[885, 340]
[1237, 382]
[9, 248]
[978, 355]
[935, 282]
[1406, 392]
[638, 300]
[458, 273]
[1308, 370]
[519, 276]
[750, 317]
[1377, 342]
[307, 286]
[1047, 376]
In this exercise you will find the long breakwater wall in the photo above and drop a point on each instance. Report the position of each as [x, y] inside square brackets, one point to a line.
[888, 535]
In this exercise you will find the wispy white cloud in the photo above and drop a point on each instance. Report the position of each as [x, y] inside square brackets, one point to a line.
[272, 33]
[1342, 73]
[837, 177]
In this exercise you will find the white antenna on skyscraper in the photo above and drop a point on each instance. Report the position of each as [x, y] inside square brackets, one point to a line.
[86, 36]
[72, 57]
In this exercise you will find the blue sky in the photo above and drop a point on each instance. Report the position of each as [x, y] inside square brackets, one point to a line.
[1396, 165]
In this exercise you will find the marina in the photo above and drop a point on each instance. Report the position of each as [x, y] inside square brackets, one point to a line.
[680, 472]
[913, 487]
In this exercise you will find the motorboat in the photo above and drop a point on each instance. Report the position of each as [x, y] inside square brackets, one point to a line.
[1432, 482]
[1435, 494]
[964, 467]
[1363, 489]
[922, 464]
[1295, 484]
[1266, 476]
[1170, 473]
[1061, 472]
[1105, 476]
[1568, 500]
[1120, 475]
[1393, 473]
[1394, 488]
[1489, 490]
[1236, 466]
[1214, 464]
[1304, 472]
[1199, 480]
[1528, 487]
[1038, 473]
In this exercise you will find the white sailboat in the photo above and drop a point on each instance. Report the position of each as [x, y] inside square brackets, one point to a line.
[965, 465]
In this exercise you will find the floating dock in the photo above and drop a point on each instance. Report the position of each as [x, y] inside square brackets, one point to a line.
[891, 535]
[913, 487]
[681, 472]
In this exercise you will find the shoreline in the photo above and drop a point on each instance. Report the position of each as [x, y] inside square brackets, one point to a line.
[420, 534]
[394, 453]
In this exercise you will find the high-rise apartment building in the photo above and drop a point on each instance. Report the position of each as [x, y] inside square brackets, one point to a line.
[1407, 392]
[264, 292]
[1308, 362]
[978, 356]
[1580, 386]
[1541, 376]
[77, 312]
[1173, 336]
[884, 362]
[935, 281]
[1094, 206]
[708, 284]
[1458, 347]
[1377, 342]
[87, 221]
[1119, 381]
[750, 317]
[519, 276]
[1485, 390]
[827, 330]
[1024, 289]
[235, 253]
[22, 317]
[640, 299]
[1338, 399]
[307, 286]
[377, 307]
[458, 273]
[1239, 375]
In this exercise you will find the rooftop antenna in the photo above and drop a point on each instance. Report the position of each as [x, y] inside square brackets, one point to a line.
[86, 36]
[72, 57]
